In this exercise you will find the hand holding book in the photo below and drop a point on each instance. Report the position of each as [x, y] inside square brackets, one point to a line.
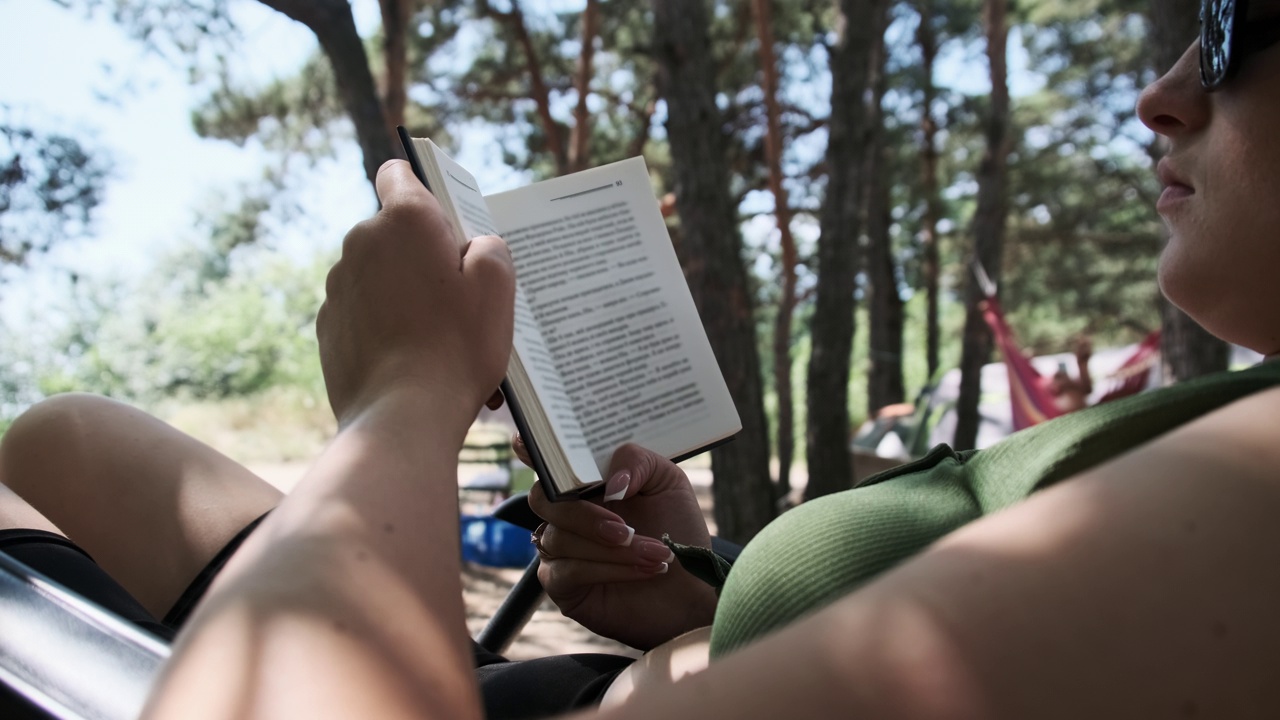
[608, 347]
[378, 333]
[606, 566]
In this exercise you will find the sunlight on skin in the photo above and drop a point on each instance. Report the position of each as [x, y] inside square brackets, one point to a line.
[874, 654]
[296, 628]
[660, 667]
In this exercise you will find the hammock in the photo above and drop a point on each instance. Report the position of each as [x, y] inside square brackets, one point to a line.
[1131, 377]
[1029, 390]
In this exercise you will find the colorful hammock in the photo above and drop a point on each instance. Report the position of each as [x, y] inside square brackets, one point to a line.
[1131, 377]
[1029, 390]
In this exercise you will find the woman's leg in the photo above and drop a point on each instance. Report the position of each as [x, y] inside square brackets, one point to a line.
[16, 513]
[29, 537]
[151, 504]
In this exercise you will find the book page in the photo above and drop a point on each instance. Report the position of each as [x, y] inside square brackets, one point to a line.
[602, 281]
[529, 345]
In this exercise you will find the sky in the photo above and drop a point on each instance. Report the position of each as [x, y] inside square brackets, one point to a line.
[83, 76]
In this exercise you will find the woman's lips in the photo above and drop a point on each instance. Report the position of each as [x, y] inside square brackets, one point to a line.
[1176, 188]
[1172, 196]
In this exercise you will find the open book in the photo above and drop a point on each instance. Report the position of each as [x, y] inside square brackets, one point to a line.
[608, 346]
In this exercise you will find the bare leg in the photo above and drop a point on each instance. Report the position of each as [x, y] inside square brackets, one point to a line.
[16, 513]
[152, 505]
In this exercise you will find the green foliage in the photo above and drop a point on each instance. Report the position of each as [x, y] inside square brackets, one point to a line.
[1084, 238]
[49, 187]
[286, 115]
[193, 335]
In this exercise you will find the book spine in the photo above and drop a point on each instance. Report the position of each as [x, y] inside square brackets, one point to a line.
[415, 163]
[530, 443]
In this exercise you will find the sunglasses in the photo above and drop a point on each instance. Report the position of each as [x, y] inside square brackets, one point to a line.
[1226, 37]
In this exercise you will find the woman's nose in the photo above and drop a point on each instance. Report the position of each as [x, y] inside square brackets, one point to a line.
[1176, 104]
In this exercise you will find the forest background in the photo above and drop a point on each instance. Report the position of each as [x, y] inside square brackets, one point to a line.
[830, 169]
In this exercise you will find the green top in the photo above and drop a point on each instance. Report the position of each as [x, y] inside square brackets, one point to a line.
[824, 549]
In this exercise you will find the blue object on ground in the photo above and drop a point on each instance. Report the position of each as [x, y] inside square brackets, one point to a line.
[489, 541]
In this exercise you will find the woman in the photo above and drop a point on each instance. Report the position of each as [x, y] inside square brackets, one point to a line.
[1142, 586]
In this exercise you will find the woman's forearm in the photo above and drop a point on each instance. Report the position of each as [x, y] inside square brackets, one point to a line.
[347, 601]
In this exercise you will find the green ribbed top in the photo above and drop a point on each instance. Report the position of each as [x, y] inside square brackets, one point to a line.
[828, 547]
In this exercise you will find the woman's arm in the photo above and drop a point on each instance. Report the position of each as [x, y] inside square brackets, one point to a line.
[1145, 588]
[347, 601]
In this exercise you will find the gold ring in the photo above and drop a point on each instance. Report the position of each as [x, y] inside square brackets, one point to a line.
[536, 539]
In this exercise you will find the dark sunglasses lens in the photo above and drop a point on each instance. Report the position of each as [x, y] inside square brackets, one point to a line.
[1216, 24]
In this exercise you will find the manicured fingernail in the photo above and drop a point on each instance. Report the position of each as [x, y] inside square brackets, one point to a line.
[659, 569]
[615, 532]
[656, 551]
[616, 488]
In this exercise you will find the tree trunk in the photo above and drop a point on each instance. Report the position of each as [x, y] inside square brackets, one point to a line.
[395, 28]
[884, 374]
[1187, 350]
[335, 28]
[580, 137]
[988, 226]
[711, 253]
[782, 217]
[832, 326]
[929, 186]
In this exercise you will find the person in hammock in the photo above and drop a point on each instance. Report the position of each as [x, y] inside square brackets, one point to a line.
[1071, 393]
[1137, 581]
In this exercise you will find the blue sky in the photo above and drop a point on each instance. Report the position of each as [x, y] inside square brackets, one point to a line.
[84, 76]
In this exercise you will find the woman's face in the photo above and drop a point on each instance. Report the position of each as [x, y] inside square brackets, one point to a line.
[1222, 193]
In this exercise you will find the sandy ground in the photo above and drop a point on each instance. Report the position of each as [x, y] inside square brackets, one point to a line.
[548, 632]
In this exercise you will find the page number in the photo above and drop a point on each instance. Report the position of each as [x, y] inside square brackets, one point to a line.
[617, 183]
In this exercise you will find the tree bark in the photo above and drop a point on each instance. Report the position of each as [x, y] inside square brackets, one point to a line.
[988, 226]
[395, 28]
[335, 29]
[580, 137]
[831, 329]
[787, 274]
[1186, 349]
[928, 41]
[711, 253]
[884, 316]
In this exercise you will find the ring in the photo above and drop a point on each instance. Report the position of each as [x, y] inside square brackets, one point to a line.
[536, 539]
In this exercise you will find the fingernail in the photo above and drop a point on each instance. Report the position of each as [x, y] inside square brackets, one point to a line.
[659, 569]
[616, 532]
[616, 488]
[656, 552]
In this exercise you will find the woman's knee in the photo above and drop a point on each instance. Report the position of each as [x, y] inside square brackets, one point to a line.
[50, 439]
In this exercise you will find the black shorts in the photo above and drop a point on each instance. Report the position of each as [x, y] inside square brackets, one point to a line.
[521, 689]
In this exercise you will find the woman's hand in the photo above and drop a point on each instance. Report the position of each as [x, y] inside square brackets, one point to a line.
[409, 307]
[605, 566]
